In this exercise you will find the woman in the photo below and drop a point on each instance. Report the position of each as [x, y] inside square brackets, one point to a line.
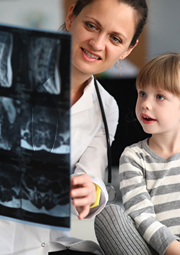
[103, 31]
[97, 45]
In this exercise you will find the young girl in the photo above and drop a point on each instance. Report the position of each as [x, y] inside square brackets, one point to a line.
[150, 170]
[103, 31]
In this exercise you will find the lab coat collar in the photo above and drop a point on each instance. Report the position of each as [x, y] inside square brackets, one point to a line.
[86, 101]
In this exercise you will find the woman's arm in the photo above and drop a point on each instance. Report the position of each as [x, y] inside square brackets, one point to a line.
[93, 161]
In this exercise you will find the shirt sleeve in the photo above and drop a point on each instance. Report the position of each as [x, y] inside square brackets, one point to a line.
[98, 194]
[137, 202]
[94, 160]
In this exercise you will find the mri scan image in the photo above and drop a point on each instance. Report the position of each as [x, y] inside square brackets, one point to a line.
[35, 126]
[43, 56]
[6, 45]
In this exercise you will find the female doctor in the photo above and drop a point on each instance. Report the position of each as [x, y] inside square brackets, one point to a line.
[103, 31]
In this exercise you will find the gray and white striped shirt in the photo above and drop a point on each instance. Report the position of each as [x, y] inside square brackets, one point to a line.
[150, 187]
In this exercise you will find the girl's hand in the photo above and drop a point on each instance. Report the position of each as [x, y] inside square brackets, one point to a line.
[173, 248]
[83, 193]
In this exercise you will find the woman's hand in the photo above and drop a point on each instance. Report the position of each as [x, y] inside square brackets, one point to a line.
[83, 193]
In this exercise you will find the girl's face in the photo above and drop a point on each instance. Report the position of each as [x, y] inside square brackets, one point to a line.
[158, 110]
[102, 33]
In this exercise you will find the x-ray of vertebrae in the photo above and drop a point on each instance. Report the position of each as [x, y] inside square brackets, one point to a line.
[43, 64]
[35, 126]
[6, 43]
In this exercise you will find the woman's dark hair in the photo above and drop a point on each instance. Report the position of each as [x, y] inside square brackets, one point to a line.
[140, 6]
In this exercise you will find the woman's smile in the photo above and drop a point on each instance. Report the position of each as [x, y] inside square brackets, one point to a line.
[97, 43]
[89, 56]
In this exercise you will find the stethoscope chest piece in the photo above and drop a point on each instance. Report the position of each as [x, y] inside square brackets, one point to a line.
[111, 193]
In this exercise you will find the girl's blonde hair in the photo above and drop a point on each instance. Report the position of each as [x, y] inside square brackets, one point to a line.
[161, 72]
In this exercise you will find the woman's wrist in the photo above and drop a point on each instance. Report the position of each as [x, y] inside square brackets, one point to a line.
[98, 195]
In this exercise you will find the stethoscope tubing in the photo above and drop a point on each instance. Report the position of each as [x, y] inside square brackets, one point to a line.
[110, 189]
[106, 131]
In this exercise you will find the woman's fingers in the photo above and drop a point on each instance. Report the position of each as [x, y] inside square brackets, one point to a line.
[83, 212]
[83, 193]
[82, 179]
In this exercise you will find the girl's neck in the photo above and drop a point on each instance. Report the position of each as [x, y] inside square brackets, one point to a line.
[165, 145]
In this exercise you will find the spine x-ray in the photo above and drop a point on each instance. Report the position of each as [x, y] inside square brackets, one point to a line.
[35, 126]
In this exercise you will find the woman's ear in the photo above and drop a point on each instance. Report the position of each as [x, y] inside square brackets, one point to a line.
[70, 17]
[125, 54]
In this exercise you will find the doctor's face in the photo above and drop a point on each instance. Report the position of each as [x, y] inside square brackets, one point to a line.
[102, 33]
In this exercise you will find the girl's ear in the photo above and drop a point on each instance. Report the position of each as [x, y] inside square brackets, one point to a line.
[125, 54]
[70, 17]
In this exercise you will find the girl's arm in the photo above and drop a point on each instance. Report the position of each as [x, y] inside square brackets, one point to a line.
[173, 248]
[137, 200]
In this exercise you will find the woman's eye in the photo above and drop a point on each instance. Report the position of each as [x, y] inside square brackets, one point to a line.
[142, 94]
[116, 39]
[160, 97]
[90, 26]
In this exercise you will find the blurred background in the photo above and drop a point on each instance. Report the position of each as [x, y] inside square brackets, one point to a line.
[161, 35]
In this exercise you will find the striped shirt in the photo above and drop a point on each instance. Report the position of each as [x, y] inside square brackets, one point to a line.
[150, 187]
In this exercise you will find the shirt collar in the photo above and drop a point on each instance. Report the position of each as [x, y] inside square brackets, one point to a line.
[86, 100]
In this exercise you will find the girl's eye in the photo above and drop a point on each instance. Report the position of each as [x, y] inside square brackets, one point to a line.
[142, 93]
[160, 97]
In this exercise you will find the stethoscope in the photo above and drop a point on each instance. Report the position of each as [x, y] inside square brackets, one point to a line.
[110, 189]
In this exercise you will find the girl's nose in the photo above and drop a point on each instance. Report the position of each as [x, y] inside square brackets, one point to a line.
[97, 42]
[146, 104]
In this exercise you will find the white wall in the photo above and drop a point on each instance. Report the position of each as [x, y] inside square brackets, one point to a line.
[163, 23]
[46, 14]
[163, 27]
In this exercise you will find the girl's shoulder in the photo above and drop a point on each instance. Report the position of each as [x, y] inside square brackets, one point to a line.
[138, 148]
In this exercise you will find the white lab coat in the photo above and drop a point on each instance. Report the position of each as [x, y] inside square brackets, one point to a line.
[89, 155]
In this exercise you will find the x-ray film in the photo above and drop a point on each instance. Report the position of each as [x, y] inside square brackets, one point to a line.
[35, 126]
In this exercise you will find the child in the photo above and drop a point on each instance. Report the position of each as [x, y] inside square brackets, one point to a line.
[149, 170]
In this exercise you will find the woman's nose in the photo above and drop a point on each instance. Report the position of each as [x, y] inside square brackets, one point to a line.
[97, 42]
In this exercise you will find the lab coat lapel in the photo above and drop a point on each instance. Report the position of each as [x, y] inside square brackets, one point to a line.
[86, 101]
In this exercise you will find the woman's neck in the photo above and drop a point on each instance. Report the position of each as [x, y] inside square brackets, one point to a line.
[165, 145]
[78, 85]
